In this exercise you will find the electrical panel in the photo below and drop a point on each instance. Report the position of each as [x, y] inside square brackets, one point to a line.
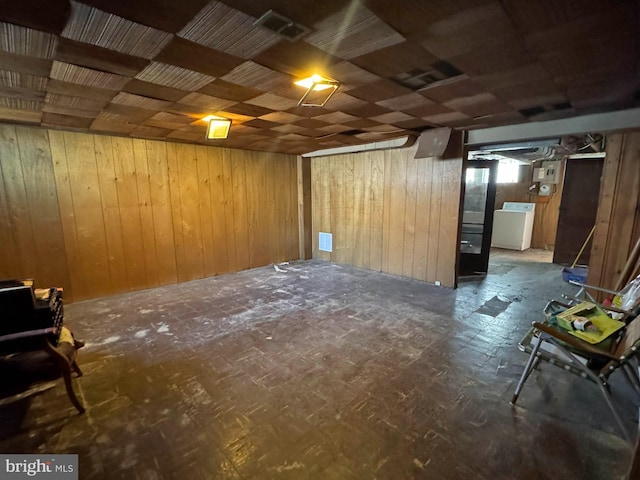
[551, 172]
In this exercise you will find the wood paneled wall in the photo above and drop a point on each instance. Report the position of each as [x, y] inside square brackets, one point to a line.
[618, 218]
[100, 215]
[389, 212]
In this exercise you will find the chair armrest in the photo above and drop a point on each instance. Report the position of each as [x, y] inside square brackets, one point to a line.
[600, 305]
[574, 342]
[593, 287]
[28, 334]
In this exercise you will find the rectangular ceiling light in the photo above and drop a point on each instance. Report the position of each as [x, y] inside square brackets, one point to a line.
[218, 128]
[319, 90]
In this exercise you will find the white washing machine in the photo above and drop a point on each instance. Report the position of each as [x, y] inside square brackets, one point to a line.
[512, 226]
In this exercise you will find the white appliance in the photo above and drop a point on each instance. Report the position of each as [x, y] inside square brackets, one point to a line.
[512, 226]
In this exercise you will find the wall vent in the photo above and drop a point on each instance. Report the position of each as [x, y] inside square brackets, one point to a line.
[282, 25]
[325, 242]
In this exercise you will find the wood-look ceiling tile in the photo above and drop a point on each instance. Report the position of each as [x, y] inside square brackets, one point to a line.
[311, 123]
[230, 91]
[17, 103]
[336, 117]
[363, 33]
[145, 131]
[66, 72]
[188, 135]
[392, 117]
[415, 16]
[334, 128]
[105, 123]
[222, 28]
[417, 124]
[90, 25]
[206, 101]
[299, 59]
[273, 102]
[343, 101]
[259, 123]
[20, 116]
[29, 65]
[189, 110]
[252, 75]
[533, 101]
[405, 102]
[237, 118]
[22, 93]
[461, 86]
[50, 16]
[65, 121]
[23, 80]
[174, 77]
[399, 58]
[167, 15]
[281, 117]
[447, 119]
[427, 110]
[544, 14]
[249, 110]
[288, 128]
[70, 111]
[504, 118]
[528, 73]
[25, 41]
[172, 118]
[618, 93]
[305, 13]
[541, 86]
[133, 114]
[139, 101]
[478, 28]
[99, 58]
[362, 123]
[380, 90]
[196, 57]
[351, 75]
[308, 112]
[366, 110]
[153, 90]
[76, 90]
[79, 103]
[382, 128]
[504, 56]
[478, 105]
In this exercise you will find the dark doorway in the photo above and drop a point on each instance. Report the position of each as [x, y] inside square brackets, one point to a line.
[477, 216]
[578, 209]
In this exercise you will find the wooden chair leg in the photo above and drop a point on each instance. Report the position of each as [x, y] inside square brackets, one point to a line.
[65, 368]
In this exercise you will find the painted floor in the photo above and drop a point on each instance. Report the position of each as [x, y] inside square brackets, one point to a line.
[322, 371]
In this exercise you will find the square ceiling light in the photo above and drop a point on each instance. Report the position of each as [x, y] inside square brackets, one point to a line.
[319, 90]
[218, 127]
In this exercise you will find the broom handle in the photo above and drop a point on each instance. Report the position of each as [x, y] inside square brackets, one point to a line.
[583, 246]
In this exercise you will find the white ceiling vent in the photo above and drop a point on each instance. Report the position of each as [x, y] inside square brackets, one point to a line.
[282, 25]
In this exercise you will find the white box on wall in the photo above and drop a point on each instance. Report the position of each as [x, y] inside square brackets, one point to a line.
[325, 242]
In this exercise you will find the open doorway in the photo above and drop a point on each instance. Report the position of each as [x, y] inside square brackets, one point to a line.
[553, 186]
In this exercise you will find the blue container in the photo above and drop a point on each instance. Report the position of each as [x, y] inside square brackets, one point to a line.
[575, 274]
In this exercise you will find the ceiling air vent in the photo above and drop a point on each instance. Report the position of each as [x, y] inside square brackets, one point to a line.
[282, 25]
[418, 78]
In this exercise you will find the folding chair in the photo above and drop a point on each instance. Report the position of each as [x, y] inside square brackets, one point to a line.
[27, 324]
[545, 342]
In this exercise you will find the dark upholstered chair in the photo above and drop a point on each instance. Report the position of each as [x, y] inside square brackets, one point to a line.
[28, 324]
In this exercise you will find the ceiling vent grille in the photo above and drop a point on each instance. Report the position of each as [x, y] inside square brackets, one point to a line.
[419, 78]
[282, 25]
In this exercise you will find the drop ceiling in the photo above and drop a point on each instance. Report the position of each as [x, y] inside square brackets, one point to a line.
[155, 68]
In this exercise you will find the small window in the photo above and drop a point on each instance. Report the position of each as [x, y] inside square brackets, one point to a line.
[508, 171]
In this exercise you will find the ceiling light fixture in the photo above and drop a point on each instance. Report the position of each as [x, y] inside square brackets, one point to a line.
[218, 127]
[315, 84]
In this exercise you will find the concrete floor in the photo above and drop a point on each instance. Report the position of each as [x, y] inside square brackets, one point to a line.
[322, 372]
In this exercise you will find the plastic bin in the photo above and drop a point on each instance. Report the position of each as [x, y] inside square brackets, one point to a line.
[575, 274]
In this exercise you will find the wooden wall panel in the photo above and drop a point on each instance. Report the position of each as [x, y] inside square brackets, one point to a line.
[403, 212]
[99, 215]
[618, 210]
